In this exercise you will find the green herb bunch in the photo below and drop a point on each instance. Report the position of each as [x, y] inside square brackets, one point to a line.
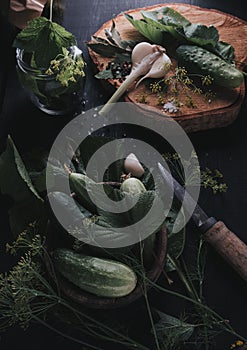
[67, 68]
[47, 46]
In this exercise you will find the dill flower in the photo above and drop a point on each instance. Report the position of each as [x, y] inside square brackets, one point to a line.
[207, 80]
[155, 87]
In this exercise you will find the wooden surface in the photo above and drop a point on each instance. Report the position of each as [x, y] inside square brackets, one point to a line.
[223, 148]
[225, 106]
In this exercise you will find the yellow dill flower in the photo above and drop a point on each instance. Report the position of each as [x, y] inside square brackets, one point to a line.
[181, 71]
[155, 87]
[207, 80]
[239, 343]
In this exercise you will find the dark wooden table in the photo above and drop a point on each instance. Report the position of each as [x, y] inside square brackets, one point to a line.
[222, 148]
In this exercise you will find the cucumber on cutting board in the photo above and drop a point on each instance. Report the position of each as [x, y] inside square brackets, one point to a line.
[201, 61]
[102, 277]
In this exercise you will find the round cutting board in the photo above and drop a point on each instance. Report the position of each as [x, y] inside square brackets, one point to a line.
[205, 112]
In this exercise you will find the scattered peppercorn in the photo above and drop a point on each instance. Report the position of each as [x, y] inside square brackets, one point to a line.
[119, 70]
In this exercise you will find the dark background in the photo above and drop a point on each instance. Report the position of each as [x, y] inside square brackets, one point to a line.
[222, 148]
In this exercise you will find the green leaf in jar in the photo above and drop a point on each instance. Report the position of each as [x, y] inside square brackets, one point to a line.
[45, 39]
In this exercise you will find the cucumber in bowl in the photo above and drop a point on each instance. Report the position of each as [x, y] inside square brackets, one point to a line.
[102, 277]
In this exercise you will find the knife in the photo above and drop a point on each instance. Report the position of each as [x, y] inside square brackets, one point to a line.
[215, 232]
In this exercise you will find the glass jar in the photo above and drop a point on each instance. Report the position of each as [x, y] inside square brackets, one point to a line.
[45, 88]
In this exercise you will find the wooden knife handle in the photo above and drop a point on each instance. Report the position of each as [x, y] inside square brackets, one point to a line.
[229, 246]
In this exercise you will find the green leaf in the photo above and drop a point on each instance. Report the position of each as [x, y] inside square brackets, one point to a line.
[139, 211]
[129, 44]
[169, 31]
[122, 57]
[45, 39]
[172, 330]
[14, 179]
[172, 17]
[148, 30]
[30, 83]
[113, 35]
[176, 240]
[224, 50]
[104, 74]
[15, 182]
[99, 40]
[164, 25]
[106, 50]
[201, 35]
[73, 212]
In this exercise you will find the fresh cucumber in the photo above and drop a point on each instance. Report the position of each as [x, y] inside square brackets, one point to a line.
[80, 184]
[201, 61]
[133, 186]
[102, 277]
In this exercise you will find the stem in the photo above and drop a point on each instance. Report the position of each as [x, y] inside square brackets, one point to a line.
[117, 337]
[147, 302]
[190, 290]
[204, 307]
[193, 293]
[200, 272]
[51, 9]
[128, 340]
[65, 335]
[140, 68]
[119, 92]
[151, 318]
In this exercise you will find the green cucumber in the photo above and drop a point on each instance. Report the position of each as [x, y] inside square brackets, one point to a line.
[133, 186]
[102, 277]
[80, 184]
[201, 61]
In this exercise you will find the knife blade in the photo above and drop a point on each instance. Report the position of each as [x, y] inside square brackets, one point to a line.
[215, 232]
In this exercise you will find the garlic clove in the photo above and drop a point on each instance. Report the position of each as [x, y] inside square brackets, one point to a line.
[159, 68]
[133, 166]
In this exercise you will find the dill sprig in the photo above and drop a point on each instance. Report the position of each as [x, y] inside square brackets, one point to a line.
[23, 293]
[181, 81]
[28, 240]
[67, 68]
[209, 179]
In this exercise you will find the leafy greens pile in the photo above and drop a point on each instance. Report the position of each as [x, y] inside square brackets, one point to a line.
[165, 25]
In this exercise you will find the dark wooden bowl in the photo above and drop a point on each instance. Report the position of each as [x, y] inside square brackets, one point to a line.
[89, 300]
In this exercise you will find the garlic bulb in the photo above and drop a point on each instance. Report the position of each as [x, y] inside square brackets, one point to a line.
[159, 68]
[140, 51]
[148, 60]
[133, 166]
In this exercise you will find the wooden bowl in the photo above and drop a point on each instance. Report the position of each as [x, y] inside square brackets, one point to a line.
[89, 300]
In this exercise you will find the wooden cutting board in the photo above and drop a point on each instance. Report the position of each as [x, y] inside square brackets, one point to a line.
[224, 107]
